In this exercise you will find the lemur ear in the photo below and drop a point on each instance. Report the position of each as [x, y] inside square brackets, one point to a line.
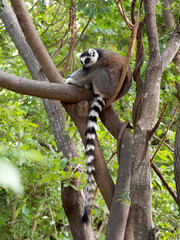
[78, 55]
[92, 52]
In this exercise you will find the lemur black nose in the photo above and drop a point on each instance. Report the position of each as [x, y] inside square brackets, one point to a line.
[85, 68]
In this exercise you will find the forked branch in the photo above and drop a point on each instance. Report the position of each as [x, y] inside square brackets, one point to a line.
[121, 10]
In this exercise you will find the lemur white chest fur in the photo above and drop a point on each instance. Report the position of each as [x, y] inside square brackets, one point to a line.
[101, 72]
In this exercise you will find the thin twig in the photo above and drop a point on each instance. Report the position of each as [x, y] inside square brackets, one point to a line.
[52, 20]
[13, 212]
[111, 157]
[54, 223]
[36, 216]
[164, 138]
[165, 144]
[101, 227]
[160, 175]
[121, 10]
[83, 31]
[10, 56]
[33, 6]
[159, 121]
[61, 44]
[48, 146]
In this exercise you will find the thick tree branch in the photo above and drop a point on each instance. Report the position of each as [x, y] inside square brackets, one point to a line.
[152, 32]
[168, 16]
[117, 224]
[63, 92]
[141, 190]
[171, 49]
[35, 43]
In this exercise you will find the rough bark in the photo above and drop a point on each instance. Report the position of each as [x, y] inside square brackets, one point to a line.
[168, 16]
[120, 205]
[120, 208]
[37, 46]
[61, 92]
[141, 190]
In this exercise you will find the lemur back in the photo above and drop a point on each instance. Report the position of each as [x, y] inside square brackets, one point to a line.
[102, 71]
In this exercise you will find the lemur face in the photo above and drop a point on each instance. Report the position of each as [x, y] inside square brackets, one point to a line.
[88, 58]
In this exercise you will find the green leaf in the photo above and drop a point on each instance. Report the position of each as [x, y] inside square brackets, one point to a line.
[25, 210]
[17, 213]
[62, 163]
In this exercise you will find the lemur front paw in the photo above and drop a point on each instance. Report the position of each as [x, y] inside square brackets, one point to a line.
[70, 81]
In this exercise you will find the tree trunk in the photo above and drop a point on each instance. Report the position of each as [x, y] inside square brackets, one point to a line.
[120, 204]
[141, 189]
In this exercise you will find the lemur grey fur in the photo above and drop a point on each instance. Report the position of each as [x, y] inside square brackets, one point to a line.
[101, 72]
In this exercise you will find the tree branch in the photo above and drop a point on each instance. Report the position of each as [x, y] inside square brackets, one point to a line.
[121, 10]
[168, 16]
[117, 224]
[140, 187]
[83, 31]
[152, 32]
[51, 23]
[171, 48]
[160, 175]
[63, 92]
[34, 41]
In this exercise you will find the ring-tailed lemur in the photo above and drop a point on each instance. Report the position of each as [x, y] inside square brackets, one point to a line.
[102, 71]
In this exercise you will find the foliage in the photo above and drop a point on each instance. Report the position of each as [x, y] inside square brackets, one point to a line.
[37, 213]
[41, 171]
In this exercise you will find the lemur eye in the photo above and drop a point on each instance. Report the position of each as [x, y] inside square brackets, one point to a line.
[87, 60]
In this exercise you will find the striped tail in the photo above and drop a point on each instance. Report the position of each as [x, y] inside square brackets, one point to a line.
[95, 109]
